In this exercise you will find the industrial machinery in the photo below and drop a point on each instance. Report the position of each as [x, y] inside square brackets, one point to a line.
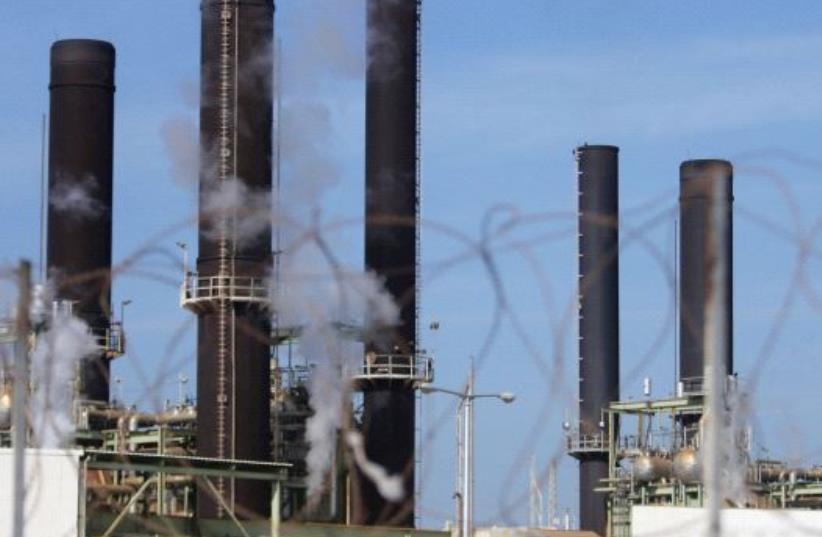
[661, 464]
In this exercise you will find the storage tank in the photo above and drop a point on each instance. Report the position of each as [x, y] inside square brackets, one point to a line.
[5, 408]
[648, 467]
[687, 465]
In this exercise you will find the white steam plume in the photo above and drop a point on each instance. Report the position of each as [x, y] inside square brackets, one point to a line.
[324, 51]
[318, 302]
[76, 197]
[245, 212]
[181, 140]
[53, 367]
[389, 486]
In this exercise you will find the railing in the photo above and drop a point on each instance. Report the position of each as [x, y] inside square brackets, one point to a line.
[578, 443]
[290, 377]
[111, 340]
[407, 367]
[691, 386]
[197, 290]
[8, 334]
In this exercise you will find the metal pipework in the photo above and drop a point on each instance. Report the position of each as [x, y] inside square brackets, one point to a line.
[704, 184]
[233, 412]
[598, 177]
[391, 211]
[81, 138]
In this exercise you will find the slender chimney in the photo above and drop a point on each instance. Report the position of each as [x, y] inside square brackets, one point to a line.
[598, 319]
[233, 328]
[702, 185]
[81, 138]
[391, 207]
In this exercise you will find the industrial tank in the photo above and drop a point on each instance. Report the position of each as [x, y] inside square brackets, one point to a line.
[5, 408]
[687, 465]
[648, 467]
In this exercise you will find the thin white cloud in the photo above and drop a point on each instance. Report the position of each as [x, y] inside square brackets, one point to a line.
[538, 97]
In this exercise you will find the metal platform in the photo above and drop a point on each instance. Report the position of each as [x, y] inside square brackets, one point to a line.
[582, 445]
[111, 340]
[198, 292]
[413, 368]
[8, 334]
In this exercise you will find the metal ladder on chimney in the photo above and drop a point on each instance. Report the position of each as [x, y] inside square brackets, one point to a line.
[227, 154]
[417, 270]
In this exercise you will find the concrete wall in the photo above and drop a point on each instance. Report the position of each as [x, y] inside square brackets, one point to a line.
[52, 493]
[649, 521]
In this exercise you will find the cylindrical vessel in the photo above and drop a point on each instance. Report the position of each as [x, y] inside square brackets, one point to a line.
[391, 210]
[5, 408]
[651, 468]
[687, 465]
[233, 414]
[81, 138]
[704, 185]
[598, 177]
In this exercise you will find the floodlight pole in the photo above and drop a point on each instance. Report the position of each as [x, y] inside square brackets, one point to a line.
[465, 417]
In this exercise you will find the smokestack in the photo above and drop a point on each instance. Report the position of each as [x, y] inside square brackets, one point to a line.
[702, 185]
[598, 176]
[391, 207]
[228, 295]
[81, 138]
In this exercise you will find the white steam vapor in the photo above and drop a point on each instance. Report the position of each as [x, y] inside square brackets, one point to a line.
[245, 212]
[326, 51]
[181, 140]
[53, 367]
[319, 301]
[76, 197]
[389, 486]
[384, 52]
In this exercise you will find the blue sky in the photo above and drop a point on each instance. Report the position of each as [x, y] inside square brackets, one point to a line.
[509, 88]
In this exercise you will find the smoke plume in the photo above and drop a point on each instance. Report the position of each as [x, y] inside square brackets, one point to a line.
[316, 293]
[319, 302]
[53, 367]
[181, 141]
[389, 486]
[244, 212]
[76, 197]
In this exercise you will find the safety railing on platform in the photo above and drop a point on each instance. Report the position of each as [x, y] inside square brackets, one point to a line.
[8, 334]
[111, 340]
[691, 386]
[197, 290]
[406, 367]
[579, 443]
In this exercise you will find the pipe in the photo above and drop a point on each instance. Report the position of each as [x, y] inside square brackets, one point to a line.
[598, 177]
[81, 138]
[142, 418]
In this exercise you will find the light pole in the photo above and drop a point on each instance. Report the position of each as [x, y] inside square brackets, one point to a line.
[182, 380]
[123, 304]
[466, 417]
[184, 247]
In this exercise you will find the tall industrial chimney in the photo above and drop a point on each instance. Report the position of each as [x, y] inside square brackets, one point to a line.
[391, 209]
[702, 185]
[81, 139]
[598, 322]
[228, 293]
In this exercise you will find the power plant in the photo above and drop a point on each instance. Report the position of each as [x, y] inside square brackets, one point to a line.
[236, 462]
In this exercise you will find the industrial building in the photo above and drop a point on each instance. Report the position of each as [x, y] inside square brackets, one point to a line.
[235, 462]
[652, 452]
